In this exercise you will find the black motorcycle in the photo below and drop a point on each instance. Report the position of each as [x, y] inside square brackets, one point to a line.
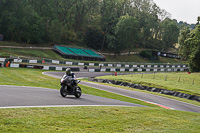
[70, 86]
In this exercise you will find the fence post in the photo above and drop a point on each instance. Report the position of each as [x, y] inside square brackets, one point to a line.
[166, 78]
[179, 79]
[193, 82]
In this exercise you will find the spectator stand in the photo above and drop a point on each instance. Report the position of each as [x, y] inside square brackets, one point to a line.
[78, 53]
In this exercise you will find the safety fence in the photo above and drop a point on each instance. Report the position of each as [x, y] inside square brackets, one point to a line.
[142, 65]
[57, 68]
[13, 65]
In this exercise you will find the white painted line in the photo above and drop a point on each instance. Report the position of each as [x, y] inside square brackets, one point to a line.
[49, 106]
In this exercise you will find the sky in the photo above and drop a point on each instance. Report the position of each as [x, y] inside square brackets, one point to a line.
[181, 10]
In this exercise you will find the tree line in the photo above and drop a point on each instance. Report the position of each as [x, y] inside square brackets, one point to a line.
[112, 25]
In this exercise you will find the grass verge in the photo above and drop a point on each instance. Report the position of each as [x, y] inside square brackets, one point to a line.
[98, 119]
[87, 119]
[180, 82]
[137, 58]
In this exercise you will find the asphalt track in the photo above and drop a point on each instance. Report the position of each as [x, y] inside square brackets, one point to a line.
[21, 96]
[153, 99]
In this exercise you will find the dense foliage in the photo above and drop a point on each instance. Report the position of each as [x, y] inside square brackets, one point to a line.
[114, 25]
[190, 47]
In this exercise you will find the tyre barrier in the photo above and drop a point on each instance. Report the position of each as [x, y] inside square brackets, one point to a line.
[147, 88]
[139, 70]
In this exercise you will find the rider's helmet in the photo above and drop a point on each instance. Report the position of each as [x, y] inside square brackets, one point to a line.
[68, 71]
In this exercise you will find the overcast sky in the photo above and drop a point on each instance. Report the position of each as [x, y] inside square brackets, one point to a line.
[182, 10]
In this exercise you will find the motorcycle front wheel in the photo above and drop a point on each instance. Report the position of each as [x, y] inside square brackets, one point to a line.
[78, 92]
[63, 91]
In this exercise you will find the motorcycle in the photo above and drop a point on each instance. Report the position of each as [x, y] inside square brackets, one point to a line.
[70, 86]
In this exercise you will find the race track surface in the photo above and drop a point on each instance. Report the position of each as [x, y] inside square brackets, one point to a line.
[154, 99]
[19, 96]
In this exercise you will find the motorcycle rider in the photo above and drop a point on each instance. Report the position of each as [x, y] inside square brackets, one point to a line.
[69, 84]
[69, 73]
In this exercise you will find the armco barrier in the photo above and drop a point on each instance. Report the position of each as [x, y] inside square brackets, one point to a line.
[43, 67]
[152, 89]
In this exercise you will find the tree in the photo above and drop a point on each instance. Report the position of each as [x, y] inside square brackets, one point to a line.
[194, 57]
[190, 47]
[126, 32]
[110, 11]
[93, 37]
[54, 32]
[170, 33]
[198, 20]
[67, 21]
[20, 22]
[184, 49]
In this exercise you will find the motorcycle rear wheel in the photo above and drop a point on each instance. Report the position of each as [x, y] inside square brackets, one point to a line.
[63, 91]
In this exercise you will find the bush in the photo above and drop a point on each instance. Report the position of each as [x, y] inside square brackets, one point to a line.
[146, 54]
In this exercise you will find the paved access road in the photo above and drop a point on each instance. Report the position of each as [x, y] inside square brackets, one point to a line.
[162, 101]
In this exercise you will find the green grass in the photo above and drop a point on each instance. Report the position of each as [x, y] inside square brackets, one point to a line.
[6, 43]
[139, 59]
[33, 53]
[98, 119]
[27, 77]
[185, 84]
[88, 119]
